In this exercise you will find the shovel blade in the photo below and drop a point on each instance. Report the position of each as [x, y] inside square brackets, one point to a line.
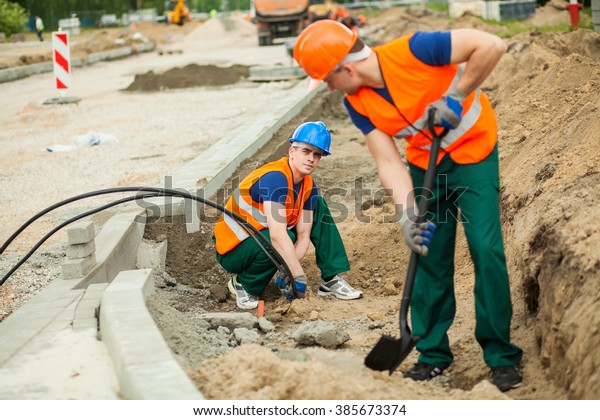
[389, 352]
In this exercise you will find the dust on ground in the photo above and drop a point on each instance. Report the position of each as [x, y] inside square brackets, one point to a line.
[546, 94]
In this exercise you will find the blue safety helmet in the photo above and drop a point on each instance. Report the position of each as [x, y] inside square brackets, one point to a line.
[313, 133]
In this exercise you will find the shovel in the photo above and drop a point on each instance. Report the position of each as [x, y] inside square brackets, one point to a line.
[389, 352]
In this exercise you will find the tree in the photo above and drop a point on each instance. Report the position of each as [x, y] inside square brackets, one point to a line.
[12, 17]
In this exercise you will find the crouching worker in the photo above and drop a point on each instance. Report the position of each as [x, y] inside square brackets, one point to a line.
[282, 200]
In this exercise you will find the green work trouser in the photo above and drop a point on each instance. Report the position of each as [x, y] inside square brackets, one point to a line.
[474, 189]
[255, 269]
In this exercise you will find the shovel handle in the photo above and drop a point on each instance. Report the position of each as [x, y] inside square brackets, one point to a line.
[388, 353]
[428, 182]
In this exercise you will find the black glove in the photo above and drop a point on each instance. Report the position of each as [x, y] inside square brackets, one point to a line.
[416, 235]
[448, 109]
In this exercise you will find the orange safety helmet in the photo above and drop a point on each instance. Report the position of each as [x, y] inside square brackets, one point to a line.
[322, 46]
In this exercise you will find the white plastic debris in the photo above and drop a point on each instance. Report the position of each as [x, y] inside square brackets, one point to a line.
[87, 140]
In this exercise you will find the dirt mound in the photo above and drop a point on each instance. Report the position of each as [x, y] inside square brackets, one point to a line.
[554, 13]
[191, 75]
[395, 22]
[314, 374]
[548, 104]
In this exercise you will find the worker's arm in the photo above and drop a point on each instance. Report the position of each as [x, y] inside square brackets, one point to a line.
[303, 229]
[392, 173]
[481, 51]
[397, 181]
[277, 225]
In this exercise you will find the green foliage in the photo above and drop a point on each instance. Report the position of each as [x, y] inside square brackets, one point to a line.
[437, 6]
[197, 5]
[239, 4]
[515, 27]
[12, 17]
[205, 6]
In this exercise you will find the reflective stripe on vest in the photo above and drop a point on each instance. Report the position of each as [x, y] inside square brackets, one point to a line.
[248, 208]
[413, 86]
[468, 121]
[229, 233]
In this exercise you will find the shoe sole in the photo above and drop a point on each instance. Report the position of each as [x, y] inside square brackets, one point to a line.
[509, 388]
[231, 289]
[342, 297]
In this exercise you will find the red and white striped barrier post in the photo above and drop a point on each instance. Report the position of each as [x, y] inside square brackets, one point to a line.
[62, 69]
[62, 61]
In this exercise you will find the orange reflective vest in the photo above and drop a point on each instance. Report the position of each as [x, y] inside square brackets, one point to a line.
[413, 86]
[229, 233]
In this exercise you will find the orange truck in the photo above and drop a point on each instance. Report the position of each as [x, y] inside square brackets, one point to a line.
[279, 19]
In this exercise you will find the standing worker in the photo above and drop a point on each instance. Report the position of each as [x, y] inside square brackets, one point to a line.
[389, 91]
[39, 27]
[281, 199]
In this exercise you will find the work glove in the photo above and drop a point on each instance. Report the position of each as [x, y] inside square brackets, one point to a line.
[282, 280]
[448, 109]
[416, 235]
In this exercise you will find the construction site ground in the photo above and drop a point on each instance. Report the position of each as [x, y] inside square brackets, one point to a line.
[546, 94]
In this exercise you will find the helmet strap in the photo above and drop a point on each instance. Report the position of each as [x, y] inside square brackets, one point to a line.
[365, 52]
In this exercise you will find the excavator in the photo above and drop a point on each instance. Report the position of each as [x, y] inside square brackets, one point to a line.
[177, 12]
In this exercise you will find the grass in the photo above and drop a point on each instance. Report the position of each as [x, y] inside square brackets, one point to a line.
[437, 7]
[515, 27]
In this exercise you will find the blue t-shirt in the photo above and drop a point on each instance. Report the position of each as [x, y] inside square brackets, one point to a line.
[433, 48]
[273, 186]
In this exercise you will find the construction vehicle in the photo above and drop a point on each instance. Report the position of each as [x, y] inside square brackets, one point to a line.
[328, 9]
[321, 10]
[278, 18]
[177, 12]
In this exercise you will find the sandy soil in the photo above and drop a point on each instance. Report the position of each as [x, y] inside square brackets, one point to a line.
[546, 94]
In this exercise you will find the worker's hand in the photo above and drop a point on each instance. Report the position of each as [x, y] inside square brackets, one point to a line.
[282, 280]
[448, 109]
[300, 282]
[416, 235]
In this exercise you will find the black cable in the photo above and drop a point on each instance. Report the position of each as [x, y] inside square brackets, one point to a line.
[160, 191]
[154, 192]
[254, 233]
[57, 228]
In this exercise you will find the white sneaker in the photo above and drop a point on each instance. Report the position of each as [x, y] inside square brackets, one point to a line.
[339, 287]
[243, 299]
